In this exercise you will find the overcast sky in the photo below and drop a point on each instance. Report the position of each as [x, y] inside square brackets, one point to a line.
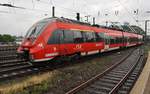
[17, 21]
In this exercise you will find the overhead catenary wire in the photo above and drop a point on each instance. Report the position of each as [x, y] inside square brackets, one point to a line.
[128, 12]
[51, 2]
[16, 13]
[10, 5]
[24, 8]
[68, 9]
[132, 29]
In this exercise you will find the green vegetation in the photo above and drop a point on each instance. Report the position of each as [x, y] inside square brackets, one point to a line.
[7, 38]
[147, 48]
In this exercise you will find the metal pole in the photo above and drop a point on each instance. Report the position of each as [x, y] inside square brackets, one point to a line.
[53, 11]
[78, 17]
[93, 20]
[145, 27]
[146, 22]
[106, 23]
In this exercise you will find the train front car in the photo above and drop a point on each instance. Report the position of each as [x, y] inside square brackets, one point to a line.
[32, 47]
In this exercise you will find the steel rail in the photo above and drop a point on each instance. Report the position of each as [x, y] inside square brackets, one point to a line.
[83, 85]
[113, 91]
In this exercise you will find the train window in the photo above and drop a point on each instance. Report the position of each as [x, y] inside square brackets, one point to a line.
[35, 30]
[125, 39]
[56, 36]
[107, 39]
[89, 36]
[119, 40]
[99, 36]
[84, 36]
[68, 36]
[78, 37]
[112, 40]
[94, 36]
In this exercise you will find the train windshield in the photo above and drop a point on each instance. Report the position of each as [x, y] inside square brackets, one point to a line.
[36, 29]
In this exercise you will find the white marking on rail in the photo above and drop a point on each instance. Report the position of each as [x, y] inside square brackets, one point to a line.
[5, 75]
[35, 69]
[14, 73]
[29, 70]
[22, 71]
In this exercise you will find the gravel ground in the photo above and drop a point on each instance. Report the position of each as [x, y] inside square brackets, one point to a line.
[72, 76]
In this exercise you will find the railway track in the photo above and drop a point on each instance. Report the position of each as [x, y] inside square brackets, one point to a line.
[8, 48]
[9, 62]
[7, 53]
[14, 68]
[10, 69]
[24, 69]
[118, 79]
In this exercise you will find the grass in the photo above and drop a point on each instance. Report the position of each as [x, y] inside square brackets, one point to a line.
[60, 80]
[15, 87]
[147, 48]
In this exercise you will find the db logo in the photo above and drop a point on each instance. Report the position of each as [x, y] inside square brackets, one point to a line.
[78, 46]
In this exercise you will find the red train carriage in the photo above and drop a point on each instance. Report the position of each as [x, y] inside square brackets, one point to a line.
[60, 37]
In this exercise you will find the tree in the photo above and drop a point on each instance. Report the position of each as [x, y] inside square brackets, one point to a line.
[7, 38]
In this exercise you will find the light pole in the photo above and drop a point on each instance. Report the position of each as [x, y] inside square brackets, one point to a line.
[106, 19]
[146, 22]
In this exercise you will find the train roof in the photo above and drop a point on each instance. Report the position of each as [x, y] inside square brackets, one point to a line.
[66, 20]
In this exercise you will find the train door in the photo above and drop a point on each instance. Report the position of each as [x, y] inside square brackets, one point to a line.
[89, 42]
[99, 40]
[128, 41]
[107, 42]
[123, 40]
[53, 45]
[78, 40]
[67, 43]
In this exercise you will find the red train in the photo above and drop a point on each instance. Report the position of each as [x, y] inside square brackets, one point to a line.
[63, 38]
